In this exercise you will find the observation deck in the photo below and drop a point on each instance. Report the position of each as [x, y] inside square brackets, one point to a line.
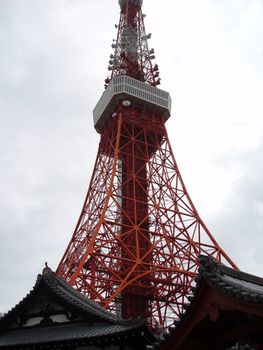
[122, 88]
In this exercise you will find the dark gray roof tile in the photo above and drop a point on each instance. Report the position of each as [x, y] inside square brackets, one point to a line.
[64, 333]
[238, 284]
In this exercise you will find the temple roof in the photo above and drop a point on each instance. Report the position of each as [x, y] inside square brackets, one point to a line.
[226, 306]
[234, 283]
[52, 284]
[55, 314]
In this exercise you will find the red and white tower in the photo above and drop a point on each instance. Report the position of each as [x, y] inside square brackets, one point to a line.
[136, 246]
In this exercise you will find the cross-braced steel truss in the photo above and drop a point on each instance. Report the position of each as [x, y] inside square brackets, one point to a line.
[136, 246]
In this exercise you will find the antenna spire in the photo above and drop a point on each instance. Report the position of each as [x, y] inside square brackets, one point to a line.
[132, 55]
[122, 3]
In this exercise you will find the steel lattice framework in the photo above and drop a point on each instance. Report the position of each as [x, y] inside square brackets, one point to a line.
[136, 246]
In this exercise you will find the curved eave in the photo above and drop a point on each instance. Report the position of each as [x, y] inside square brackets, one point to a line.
[218, 289]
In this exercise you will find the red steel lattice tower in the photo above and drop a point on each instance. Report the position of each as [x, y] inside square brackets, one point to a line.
[136, 246]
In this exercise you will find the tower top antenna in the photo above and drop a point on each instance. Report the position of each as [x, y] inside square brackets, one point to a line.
[132, 55]
[122, 3]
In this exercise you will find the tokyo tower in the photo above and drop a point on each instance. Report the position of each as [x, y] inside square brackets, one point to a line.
[136, 246]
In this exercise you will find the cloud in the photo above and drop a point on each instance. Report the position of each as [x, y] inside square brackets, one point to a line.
[46, 98]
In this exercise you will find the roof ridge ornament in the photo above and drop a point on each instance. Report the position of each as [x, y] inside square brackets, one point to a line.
[46, 271]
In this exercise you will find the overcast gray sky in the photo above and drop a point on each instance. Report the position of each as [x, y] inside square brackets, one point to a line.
[53, 61]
